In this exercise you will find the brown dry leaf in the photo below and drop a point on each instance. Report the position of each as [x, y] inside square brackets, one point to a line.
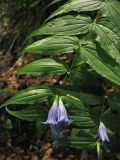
[34, 157]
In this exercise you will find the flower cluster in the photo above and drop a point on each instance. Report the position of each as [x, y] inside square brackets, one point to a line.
[57, 116]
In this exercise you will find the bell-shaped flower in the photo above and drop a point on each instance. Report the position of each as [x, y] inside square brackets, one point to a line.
[57, 134]
[52, 115]
[57, 114]
[62, 114]
[103, 132]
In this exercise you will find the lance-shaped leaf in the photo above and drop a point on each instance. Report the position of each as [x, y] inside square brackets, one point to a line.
[109, 41]
[104, 65]
[77, 6]
[79, 142]
[30, 114]
[81, 76]
[79, 112]
[66, 25]
[45, 66]
[32, 95]
[111, 10]
[107, 28]
[74, 92]
[54, 45]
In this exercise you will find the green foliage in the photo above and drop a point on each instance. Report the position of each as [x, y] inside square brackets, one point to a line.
[89, 31]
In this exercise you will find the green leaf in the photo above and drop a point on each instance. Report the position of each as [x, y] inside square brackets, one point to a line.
[79, 112]
[66, 25]
[45, 66]
[77, 93]
[54, 45]
[111, 120]
[38, 94]
[30, 114]
[31, 95]
[77, 6]
[108, 29]
[81, 76]
[108, 39]
[53, 2]
[111, 10]
[114, 101]
[101, 62]
[80, 142]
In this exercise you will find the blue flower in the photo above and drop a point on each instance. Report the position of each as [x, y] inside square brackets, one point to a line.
[57, 134]
[52, 115]
[56, 131]
[62, 114]
[103, 133]
[56, 144]
[57, 114]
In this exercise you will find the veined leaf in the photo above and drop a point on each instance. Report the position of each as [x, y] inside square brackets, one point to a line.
[111, 120]
[79, 95]
[54, 45]
[109, 41]
[77, 6]
[111, 10]
[66, 25]
[108, 29]
[38, 94]
[79, 112]
[32, 95]
[80, 142]
[81, 76]
[87, 132]
[45, 66]
[29, 114]
[101, 62]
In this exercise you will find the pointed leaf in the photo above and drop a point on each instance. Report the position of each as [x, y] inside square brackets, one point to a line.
[66, 25]
[107, 28]
[80, 142]
[77, 6]
[31, 95]
[45, 66]
[29, 114]
[101, 62]
[54, 45]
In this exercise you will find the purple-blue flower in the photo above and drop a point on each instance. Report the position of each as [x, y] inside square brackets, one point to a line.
[52, 115]
[57, 114]
[103, 133]
[57, 134]
[62, 114]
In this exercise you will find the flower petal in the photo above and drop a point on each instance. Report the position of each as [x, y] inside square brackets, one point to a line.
[52, 115]
[56, 131]
[103, 132]
[62, 114]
